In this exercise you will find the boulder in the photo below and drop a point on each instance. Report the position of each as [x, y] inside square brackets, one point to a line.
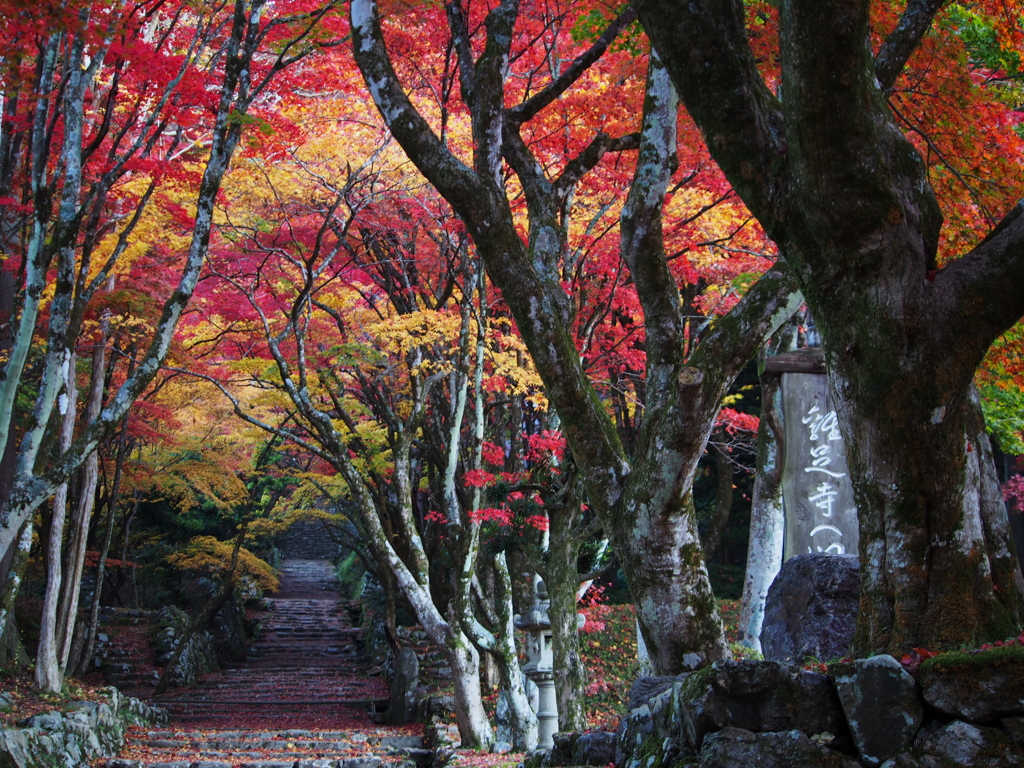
[653, 733]
[666, 713]
[634, 729]
[759, 696]
[594, 748]
[980, 687]
[739, 748]
[563, 747]
[879, 699]
[648, 686]
[811, 608]
[964, 745]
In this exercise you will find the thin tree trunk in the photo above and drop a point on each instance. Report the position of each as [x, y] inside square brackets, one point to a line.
[71, 588]
[767, 518]
[724, 471]
[525, 730]
[91, 627]
[9, 590]
[561, 577]
[49, 673]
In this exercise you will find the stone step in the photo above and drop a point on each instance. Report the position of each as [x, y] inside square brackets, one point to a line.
[278, 740]
[257, 760]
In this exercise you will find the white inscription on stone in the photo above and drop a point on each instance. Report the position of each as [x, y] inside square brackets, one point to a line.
[823, 429]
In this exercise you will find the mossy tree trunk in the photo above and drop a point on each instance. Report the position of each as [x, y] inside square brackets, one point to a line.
[562, 579]
[834, 181]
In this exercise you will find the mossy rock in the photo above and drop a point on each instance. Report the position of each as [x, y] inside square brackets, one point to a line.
[733, 747]
[759, 696]
[964, 745]
[979, 687]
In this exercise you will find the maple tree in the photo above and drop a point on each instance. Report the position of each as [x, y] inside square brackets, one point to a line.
[100, 101]
[848, 181]
[644, 500]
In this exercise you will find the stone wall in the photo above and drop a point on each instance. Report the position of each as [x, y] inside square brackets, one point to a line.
[85, 731]
[199, 656]
[962, 709]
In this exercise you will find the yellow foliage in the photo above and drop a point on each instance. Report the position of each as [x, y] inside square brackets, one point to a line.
[212, 557]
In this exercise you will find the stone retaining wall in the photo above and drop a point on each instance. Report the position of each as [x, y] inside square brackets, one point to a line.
[85, 731]
[963, 710]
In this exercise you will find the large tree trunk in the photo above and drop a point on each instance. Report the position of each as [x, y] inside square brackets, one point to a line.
[938, 568]
[831, 177]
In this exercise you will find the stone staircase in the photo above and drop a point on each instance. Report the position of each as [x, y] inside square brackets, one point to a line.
[303, 699]
[304, 664]
[289, 748]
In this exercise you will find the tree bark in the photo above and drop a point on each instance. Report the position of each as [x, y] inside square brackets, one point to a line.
[833, 180]
[75, 562]
[9, 640]
[562, 579]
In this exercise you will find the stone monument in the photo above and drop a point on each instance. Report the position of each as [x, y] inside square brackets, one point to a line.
[817, 493]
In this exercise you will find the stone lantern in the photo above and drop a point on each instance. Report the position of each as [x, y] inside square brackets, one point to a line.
[539, 665]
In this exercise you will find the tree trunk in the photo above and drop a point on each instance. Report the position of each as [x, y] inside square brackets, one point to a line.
[767, 517]
[724, 471]
[11, 643]
[91, 625]
[848, 199]
[502, 648]
[68, 612]
[49, 672]
[937, 563]
[562, 579]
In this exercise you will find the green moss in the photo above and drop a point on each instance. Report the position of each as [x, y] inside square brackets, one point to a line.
[695, 683]
[1009, 656]
[650, 753]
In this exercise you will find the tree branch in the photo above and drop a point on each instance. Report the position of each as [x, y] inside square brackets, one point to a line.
[903, 41]
[981, 292]
[522, 112]
[704, 47]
